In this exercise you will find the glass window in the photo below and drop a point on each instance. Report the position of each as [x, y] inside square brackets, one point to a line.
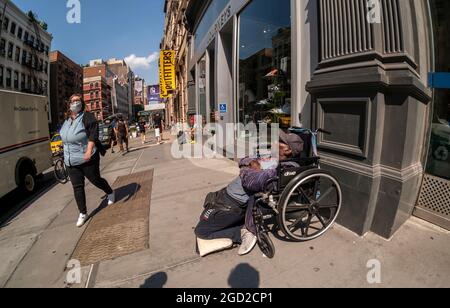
[2, 47]
[10, 50]
[265, 75]
[16, 80]
[1, 76]
[202, 88]
[13, 28]
[25, 37]
[212, 13]
[22, 82]
[439, 151]
[56, 138]
[6, 24]
[19, 33]
[17, 54]
[8, 78]
[24, 56]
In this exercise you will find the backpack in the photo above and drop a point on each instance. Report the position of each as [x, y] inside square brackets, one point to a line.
[89, 117]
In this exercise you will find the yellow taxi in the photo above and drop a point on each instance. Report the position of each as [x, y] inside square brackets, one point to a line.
[56, 143]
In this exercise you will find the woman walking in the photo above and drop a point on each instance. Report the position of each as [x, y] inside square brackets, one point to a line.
[82, 158]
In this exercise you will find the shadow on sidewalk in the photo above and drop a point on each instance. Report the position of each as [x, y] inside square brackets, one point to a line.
[244, 276]
[123, 195]
[156, 281]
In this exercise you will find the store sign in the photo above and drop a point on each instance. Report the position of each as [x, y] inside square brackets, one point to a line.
[139, 85]
[154, 107]
[220, 23]
[153, 93]
[167, 73]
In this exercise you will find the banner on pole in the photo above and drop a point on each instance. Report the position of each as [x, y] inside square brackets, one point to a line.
[167, 76]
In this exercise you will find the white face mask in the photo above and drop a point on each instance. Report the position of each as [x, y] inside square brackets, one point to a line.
[76, 107]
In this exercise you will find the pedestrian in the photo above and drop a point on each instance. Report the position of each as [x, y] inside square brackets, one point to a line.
[82, 154]
[142, 129]
[113, 136]
[159, 128]
[122, 133]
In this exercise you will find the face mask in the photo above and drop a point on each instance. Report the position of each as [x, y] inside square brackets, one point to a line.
[76, 107]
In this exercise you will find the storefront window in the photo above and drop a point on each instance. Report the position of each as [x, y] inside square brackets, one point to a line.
[265, 62]
[202, 88]
[212, 13]
[439, 151]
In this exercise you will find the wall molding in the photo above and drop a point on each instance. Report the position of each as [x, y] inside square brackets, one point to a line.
[376, 171]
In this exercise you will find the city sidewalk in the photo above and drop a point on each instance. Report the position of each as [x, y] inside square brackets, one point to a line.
[37, 245]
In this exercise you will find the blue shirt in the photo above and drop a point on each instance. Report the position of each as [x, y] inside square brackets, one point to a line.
[75, 139]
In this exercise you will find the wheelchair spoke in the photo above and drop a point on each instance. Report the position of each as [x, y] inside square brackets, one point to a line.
[296, 207]
[322, 197]
[332, 206]
[294, 225]
[308, 223]
[300, 190]
[321, 220]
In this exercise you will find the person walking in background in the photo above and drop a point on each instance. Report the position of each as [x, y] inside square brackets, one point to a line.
[142, 129]
[122, 133]
[82, 154]
[158, 128]
[113, 136]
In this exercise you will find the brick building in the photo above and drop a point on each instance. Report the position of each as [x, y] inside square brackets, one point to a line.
[66, 78]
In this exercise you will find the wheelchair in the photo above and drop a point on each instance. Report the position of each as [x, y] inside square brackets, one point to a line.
[304, 200]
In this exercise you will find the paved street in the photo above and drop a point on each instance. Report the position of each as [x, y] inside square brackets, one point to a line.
[37, 244]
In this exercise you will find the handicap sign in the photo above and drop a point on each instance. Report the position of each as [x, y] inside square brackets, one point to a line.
[223, 108]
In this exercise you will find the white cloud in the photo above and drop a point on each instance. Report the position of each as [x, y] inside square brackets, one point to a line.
[136, 62]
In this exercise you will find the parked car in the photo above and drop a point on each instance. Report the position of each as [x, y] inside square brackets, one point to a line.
[104, 134]
[56, 144]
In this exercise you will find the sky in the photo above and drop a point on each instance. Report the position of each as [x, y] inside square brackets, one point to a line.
[122, 29]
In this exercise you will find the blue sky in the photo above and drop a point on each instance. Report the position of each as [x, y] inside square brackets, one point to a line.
[122, 29]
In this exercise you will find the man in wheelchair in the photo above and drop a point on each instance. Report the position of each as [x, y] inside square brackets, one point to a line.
[226, 219]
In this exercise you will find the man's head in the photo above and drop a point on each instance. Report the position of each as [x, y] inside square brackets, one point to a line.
[291, 145]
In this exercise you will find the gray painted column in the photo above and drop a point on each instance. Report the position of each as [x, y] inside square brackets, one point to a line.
[369, 89]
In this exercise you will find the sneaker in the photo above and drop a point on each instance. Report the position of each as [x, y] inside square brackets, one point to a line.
[249, 241]
[111, 199]
[206, 247]
[81, 220]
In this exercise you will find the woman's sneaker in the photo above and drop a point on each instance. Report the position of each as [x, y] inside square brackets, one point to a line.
[81, 220]
[249, 241]
[111, 199]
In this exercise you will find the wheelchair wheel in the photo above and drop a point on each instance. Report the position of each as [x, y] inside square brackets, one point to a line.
[266, 244]
[60, 171]
[309, 205]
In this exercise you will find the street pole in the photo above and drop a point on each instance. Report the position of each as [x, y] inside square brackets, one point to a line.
[115, 95]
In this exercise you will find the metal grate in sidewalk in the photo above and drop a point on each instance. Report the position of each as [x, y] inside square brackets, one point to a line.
[120, 229]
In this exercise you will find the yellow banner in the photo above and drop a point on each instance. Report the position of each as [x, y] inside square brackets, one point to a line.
[167, 77]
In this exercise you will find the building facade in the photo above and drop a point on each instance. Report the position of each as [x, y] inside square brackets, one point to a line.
[176, 38]
[361, 73]
[117, 82]
[97, 97]
[125, 76]
[66, 79]
[24, 51]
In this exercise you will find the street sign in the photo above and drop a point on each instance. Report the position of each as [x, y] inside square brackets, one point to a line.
[223, 108]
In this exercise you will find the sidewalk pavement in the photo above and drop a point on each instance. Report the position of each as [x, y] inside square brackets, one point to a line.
[36, 246]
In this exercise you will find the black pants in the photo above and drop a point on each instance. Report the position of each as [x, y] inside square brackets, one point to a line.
[123, 140]
[91, 171]
[223, 219]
